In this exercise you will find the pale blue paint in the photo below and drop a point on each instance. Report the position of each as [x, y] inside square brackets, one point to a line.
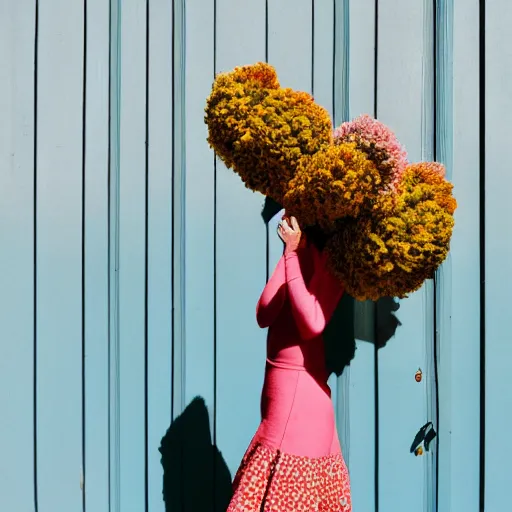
[183, 209]
[323, 56]
[498, 255]
[96, 464]
[459, 364]
[59, 247]
[402, 401]
[444, 146]
[361, 450]
[16, 256]
[199, 209]
[160, 231]
[114, 338]
[132, 254]
[179, 205]
[430, 125]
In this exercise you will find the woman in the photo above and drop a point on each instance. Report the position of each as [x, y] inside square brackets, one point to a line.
[294, 462]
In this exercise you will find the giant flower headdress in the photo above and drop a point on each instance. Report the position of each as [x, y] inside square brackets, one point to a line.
[388, 222]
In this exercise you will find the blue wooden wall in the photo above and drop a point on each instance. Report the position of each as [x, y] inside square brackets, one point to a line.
[131, 260]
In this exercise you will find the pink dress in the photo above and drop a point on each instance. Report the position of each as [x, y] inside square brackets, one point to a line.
[294, 462]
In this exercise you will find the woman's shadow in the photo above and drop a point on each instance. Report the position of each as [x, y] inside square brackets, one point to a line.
[196, 477]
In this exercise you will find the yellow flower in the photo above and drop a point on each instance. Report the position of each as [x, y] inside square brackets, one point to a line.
[392, 252]
[427, 180]
[336, 182]
[260, 130]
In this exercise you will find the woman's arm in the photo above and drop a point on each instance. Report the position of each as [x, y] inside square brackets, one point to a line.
[312, 308]
[273, 296]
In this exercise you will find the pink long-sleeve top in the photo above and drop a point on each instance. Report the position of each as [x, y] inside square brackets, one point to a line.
[296, 304]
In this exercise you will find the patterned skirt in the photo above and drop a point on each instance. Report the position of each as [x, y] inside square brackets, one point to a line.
[272, 481]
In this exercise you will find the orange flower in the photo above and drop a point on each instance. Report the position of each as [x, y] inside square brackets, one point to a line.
[428, 180]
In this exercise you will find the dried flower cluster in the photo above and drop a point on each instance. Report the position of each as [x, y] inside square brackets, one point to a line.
[336, 182]
[260, 130]
[380, 145]
[388, 223]
[393, 252]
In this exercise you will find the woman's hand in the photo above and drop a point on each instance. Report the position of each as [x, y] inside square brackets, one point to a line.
[290, 233]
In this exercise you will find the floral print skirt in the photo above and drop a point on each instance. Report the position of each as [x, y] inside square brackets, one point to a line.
[272, 481]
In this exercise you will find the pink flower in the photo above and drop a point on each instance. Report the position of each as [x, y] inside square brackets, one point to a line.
[379, 143]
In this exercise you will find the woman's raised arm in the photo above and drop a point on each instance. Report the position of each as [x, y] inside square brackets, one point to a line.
[312, 306]
[273, 296]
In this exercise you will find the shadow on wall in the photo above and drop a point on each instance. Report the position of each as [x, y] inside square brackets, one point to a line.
[196, 477]
[339, 336]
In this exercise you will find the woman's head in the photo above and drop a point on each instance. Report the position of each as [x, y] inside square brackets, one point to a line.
[316, 236]
[311, 234]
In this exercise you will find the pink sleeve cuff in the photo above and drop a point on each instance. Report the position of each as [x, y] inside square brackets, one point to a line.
[293, 270]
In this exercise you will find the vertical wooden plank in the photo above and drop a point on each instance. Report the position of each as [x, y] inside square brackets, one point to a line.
[440, 400]
[459, 370]
[290, 26]
[362, 58]
[113, 285]
[132, 256]
[402, 401]
[361, 456]
[430, 121]
[59, 256]
[498, 250]
[16, 255]
[179, 221]
[193, 479]
[199, 208]
[160, 227]
[96, 465]
[460, 411]
[322, 57]
[323, 92]
[240, 257]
